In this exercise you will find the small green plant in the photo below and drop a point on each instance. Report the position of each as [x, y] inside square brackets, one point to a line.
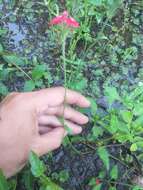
[38, 169]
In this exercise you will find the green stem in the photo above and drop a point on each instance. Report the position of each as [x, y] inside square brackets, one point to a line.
[65, 73]
[64, 60]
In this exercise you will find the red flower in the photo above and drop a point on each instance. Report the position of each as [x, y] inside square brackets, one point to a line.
[98, 181]
[64, 18]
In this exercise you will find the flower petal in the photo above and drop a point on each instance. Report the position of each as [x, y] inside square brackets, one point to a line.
[72, 22]
[64, 18]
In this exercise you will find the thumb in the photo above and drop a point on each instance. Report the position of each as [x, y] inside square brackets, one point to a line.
[49, 141]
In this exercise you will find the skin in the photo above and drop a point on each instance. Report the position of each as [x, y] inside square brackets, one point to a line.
[29, 121]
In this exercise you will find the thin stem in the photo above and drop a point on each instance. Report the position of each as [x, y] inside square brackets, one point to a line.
[65, 73]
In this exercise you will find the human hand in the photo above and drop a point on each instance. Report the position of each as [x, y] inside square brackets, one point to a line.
[29, 121]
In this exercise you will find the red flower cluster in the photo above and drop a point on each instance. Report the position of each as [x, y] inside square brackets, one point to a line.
[64, 18]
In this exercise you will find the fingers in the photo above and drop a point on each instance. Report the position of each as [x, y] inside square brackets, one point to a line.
[44, 129]
[47, 123]
[53, 139]
[76, 98]
[68, 113]
[55, 97]
[48, 142]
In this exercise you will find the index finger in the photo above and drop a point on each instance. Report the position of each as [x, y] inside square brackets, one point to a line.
[56, 96]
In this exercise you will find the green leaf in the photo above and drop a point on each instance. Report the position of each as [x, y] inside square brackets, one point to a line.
[97, 187]
[3, 89]
[3, 182]
[114, 124]
[1, 48]
[139, 144]
[80, 85]
[112, 188]
[47, 184]
[63, 176]
[138, 109]
[136, 92]
[127, 116]
[37, 166]
[14, 59]
[29, 86]
[104, 156]
[133, 147]
[97, 131]
[38, 72]
[122, 127]
[112, 7]
[28, 180]
[3, 32]
[53, 186]
[96, 2]
[93, 106]
[13, 184]
[137, 188]
[139, 120]
[114, 172]
[111, 94]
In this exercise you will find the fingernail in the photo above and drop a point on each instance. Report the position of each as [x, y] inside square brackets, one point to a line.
[79, 130]
[86, 119]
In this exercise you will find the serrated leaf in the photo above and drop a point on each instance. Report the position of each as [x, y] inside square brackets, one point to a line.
[127, 116]
[37, 166]
[114, 172]
[111, 94]
[104, 156]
